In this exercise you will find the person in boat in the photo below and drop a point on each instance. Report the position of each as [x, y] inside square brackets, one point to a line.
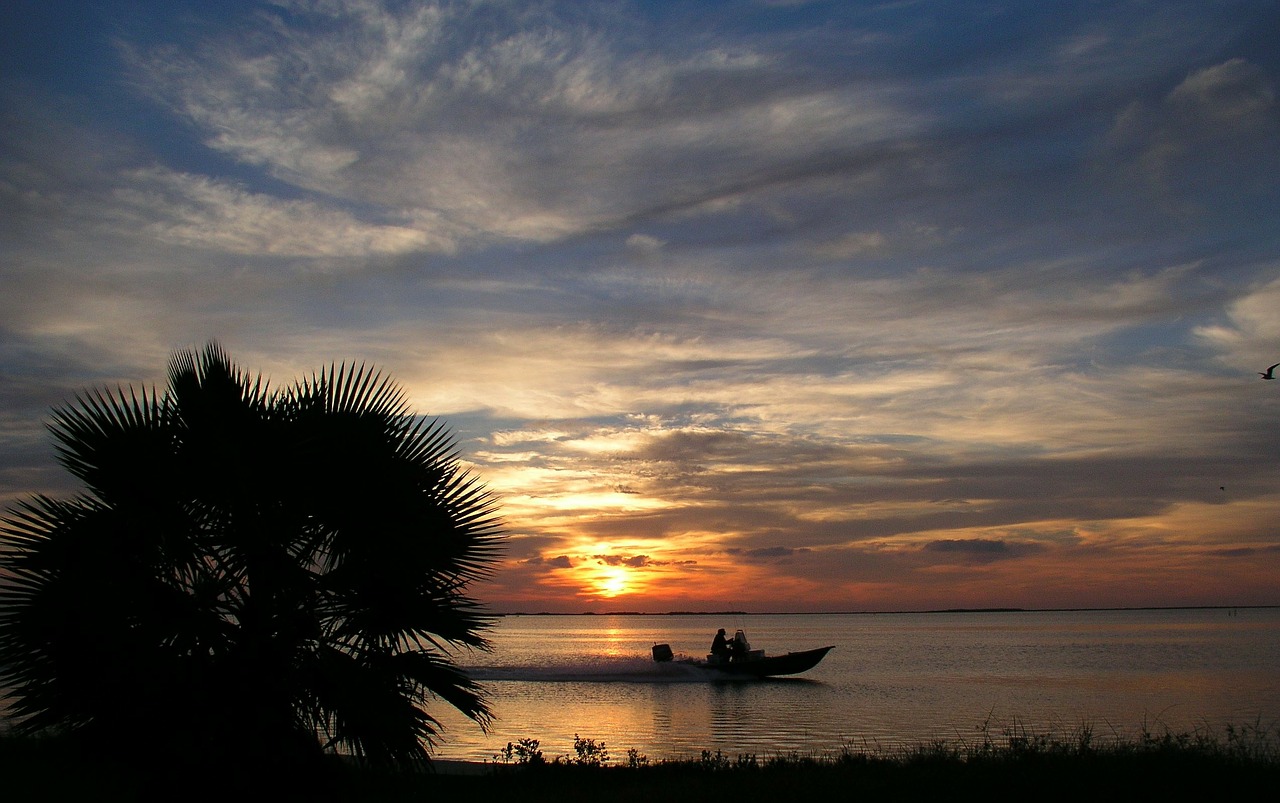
[720, 646]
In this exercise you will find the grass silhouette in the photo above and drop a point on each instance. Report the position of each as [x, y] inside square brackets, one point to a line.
[1014, 764]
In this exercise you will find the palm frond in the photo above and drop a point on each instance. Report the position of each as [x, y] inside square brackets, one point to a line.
[427, 443]
[247, 566]
[106, 434]
[208, 384]
[368, 707]
[447, 682]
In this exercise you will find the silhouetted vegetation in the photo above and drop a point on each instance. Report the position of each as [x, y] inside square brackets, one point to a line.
[251, 578]
[1016, 765]
[1165, 768]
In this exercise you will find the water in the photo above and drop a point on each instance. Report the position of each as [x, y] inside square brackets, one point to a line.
[893, 680]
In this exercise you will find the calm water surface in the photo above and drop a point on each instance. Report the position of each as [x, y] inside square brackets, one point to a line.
[893, 679]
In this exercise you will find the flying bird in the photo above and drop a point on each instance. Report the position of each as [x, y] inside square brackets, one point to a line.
[1271, 372]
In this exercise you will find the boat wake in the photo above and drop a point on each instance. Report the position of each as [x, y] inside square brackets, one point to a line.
[601, 670]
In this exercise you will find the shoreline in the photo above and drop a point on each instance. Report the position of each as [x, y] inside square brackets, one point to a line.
[1159, 766]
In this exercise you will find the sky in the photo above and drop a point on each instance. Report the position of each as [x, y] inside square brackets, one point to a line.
[749, 305]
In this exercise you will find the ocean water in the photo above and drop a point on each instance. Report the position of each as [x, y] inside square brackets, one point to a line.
[892, 680]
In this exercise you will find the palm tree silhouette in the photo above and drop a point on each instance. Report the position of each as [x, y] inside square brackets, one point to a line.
[251, 574]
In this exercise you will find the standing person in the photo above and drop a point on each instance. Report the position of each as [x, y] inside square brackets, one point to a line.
[720, 649]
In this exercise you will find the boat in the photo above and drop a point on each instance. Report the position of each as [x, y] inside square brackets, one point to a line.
[767, 666]
[746, 662]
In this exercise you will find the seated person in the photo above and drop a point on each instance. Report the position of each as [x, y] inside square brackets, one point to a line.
[720, 646]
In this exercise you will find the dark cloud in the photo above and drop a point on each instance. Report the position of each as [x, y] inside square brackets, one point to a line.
[638, 561]
[634, 561]
[1246, 552]
[982, 550]
[560, 562]
[766, 553]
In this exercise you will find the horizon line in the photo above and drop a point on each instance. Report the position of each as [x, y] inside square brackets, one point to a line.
[893, 612]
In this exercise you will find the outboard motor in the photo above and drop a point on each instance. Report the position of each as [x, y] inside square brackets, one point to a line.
[662, 653]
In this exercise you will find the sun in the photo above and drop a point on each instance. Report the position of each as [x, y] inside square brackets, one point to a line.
[612, 582]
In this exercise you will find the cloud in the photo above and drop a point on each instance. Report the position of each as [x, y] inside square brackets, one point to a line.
[531, 133]
[1249, 331]
[202, 213]
[638, 561]
[1228, 98]
[558, 562]
[634, 561]
[1245, 552]
[644, 244]
[852, 245]
[981, 550]
[766, 553]
[1190, 143]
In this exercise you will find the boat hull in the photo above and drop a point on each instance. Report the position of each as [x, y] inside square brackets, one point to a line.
[792, 663]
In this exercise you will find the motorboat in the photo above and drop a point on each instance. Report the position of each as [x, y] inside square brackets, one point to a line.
[745, 661]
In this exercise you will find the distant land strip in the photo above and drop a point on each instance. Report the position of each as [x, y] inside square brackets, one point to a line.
[889, 613]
